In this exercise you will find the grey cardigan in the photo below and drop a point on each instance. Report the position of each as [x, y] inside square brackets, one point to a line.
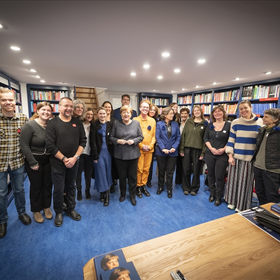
[131, 131]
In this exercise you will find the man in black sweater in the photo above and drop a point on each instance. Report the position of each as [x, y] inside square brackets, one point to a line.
[65, 140]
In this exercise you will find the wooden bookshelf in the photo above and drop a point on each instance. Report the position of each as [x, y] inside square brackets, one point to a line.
[39, 93]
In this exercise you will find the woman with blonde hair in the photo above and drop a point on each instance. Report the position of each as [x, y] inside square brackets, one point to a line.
[37, 161]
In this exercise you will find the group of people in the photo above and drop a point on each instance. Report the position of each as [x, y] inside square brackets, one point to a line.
[121, 145]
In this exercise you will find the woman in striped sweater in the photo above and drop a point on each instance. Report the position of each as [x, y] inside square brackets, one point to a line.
[240, 149]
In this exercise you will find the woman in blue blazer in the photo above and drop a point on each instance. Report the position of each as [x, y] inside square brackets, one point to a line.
[168, 139]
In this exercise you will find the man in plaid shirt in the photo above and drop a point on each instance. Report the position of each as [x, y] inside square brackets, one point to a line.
[11, 159]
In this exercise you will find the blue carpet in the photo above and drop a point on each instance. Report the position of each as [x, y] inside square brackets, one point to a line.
[42, 251]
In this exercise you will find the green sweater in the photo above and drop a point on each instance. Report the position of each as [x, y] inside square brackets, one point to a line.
[192, 136]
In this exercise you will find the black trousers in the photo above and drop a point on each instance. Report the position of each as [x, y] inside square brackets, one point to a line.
[86, 165]
[179, 171]
[40, 183]
[166, 165]
[64, 179]
[127, 169]
[191, 157]
[267, 185]
[216, 167]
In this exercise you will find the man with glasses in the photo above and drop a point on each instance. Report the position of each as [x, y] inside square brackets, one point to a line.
[125, 101]
[65, 140]
[146, 147]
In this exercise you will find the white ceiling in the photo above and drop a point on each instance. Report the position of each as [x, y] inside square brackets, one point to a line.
[98, 43]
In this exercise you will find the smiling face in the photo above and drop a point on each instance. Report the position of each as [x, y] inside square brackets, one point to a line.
[65, 108]
[184, 115]
[144, 108]
[125, 100]
[218, 114]
[8, 103]
[169, 116]
[79, 109]
[269, 120]
[175, 108]
[101, 115]
[245, 110]
[44, 113]
[89, 116]
[152, 111]
[108, 108]
[126, 115]
[197, 112]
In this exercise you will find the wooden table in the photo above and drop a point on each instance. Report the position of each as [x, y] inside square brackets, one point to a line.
[227, 248]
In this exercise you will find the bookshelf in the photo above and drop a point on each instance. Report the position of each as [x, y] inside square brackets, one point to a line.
[39, 93]
[8, 82]
[262, 94]
[160, 99]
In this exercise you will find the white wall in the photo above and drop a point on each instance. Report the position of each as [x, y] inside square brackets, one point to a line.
[24, 99]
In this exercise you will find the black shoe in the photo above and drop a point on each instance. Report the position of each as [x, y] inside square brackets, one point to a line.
[144, 191]
[112, 189]
[138, 192]
[25, 219]
[58, 221]
[102, 197]
[149, 184]
[218, 202]
[193, 193]
[3, 230]
[169, 194]
[106, 201]
[121, 199]
[133, 201]
[88, 196]
[186, 192]
[74, 215]
[160, 190]
[64, 207]
[79, 196]
[211, 198]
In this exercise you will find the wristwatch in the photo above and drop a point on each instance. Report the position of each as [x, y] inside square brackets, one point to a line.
[77, 156]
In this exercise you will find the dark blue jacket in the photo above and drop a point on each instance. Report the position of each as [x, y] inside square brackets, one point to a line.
[117, 114]
[162, 140]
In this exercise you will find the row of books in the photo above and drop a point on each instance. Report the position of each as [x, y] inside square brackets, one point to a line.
[258, 92]
[227, 95]
[47, 95]
[258, 108]
[158, 101]
[17, 96]
[113, 265]
[230, 108]
[185, 99]
[206, 109]
[34, 107]
[18, 109]
[202, 98]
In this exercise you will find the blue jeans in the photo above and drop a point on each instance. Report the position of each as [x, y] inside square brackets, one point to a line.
[16, 178]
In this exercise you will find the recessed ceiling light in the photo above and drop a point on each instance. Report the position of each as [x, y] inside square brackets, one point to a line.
[38, 77]
[26, 61]
[201, 61]
[33, 70]
[159, 77]
[1, 26]
[183, 88]
[177, 70]
[155, 89]
[165, 54]
[214, 83]
[236, 79]
[146, 66]
[14, 48]
[42, 81]
[197, 86]
[63, 83]
[267, 73]
[132, 74]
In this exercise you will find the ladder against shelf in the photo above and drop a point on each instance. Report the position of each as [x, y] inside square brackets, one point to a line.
[89, 97]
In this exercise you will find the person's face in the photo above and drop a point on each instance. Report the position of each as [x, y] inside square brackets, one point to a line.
[108, 108]
[7, 102]
[126, 115]
[101, 115]
[152, 112]
[268, 120]
[245, 111]
[169, 116]
[218, 114]
[89, 116]
[184, 115]
[44, 113]
[66, 108]
[125, 101]
[113, 262]
[197, 112]
[124, 277]
[79, 110]
[144, 108]
[175, 108]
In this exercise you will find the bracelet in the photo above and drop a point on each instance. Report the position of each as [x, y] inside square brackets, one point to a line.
[63, 158]
[77, 156]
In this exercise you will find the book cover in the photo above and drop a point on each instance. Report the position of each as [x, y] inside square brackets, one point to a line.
[108, 261]
[272, 91]
[127, 272]
[276, 207]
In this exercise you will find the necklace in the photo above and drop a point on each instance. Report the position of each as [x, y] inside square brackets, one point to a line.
[42, 125]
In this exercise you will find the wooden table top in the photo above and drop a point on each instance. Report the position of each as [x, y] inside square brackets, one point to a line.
[227, 248]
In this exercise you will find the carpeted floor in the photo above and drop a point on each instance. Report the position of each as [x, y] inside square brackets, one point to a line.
[43, 251]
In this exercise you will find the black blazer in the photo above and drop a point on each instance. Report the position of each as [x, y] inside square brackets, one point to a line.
[96, 139]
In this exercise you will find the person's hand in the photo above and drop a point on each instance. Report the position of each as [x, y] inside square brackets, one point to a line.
[96, 160]
[130, 142]
[121, 141]
[221, 151]
[181, 154]
[165, 151]
[172, 150]
[214, 151]
[200, 158]
[231, 159]
[70, 162]
[35, 168]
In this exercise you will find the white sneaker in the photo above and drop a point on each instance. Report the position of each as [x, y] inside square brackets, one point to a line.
[237, 210]
[231, 206]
